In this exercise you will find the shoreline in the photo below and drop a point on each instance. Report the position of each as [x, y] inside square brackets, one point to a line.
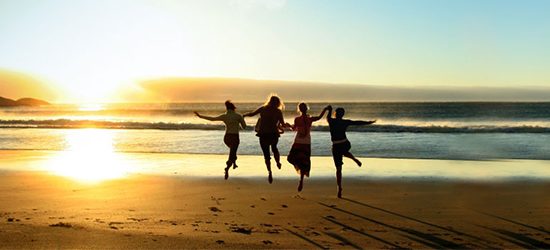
[252, 166]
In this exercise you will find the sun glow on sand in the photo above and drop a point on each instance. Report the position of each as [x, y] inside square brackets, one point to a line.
[89, 157]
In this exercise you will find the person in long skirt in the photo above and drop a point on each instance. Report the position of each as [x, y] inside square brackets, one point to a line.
[233, 123]
[269, 126]
[340, 144]
[300, 153]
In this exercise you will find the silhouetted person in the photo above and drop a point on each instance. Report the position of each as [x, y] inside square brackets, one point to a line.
[233, 123]
[340, 143]
[300, 153]
[269, 126]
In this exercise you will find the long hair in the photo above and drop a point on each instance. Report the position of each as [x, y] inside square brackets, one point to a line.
[274, 101]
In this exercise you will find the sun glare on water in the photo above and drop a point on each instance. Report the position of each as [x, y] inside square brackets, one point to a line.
[89, 157]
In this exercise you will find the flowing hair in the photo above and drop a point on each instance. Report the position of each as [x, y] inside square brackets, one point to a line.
[274, 101]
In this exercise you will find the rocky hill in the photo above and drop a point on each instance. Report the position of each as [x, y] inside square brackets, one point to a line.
[28, 102]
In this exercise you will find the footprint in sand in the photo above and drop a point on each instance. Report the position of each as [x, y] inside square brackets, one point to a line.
[220, 242]
[267, 242]
[241, 230]
[214, 209]
[270, 213]
[284, 206]
[61, 224]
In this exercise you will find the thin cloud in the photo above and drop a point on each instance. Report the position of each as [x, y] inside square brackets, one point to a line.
[267, 4]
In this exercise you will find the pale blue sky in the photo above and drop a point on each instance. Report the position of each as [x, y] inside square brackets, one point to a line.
[75, 43]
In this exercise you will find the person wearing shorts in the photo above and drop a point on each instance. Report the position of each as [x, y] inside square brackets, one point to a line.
[340, 143]
[233, 123]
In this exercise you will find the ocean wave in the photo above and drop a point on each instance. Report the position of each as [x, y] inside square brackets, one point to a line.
[382, 128]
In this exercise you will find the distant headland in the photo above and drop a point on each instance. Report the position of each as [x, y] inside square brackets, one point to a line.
[23, 102]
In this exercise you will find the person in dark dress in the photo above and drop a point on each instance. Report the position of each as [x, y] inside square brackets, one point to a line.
[340, 144]
[233, 123]
[270, 124]
[300, 153]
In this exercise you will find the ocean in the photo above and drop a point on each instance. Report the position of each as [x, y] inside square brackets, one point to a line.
[421, 130]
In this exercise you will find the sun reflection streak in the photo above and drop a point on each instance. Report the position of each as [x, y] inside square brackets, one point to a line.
[89, 157]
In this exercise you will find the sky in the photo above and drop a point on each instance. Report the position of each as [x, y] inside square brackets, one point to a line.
[89, 49]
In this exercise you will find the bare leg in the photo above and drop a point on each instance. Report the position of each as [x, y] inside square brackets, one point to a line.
[349, 155]
[267, 157]
[269, 176]
[227, 169]
[301, 185]
[339, 180]
[276, 155]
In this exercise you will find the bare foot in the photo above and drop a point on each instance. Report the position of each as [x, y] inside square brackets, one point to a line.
[235, 165]
[279, 165]
[339, 193]
[270, 178]
[226, 173]
[359, 163]
[300, 187]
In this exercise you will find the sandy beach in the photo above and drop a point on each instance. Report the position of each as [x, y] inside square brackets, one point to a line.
[43, 210]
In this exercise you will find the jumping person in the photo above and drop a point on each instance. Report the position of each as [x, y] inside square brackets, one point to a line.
[340, 143]
[268, 128]
[233, 122]
[300, 153]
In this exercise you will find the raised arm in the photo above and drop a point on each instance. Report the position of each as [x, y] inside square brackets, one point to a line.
[329, 115]
[210, 118]
[316, 118]
[253, 113]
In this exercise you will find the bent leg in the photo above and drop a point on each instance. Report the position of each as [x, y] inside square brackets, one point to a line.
[357, 161]
[276, 154]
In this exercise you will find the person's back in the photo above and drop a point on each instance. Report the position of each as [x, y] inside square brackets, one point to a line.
[338, 129]
[303, 127]
[270, 120]
[233, 122]
[340, 143]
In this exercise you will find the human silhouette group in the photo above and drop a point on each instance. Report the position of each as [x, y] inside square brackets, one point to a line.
[271, 124]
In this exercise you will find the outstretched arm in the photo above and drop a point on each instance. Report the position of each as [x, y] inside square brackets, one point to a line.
[253, 113]
[210, 118]
[362, 122]
[316, 118]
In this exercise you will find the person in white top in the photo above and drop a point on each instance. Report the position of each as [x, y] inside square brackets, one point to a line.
[233, 123]
[300, 153]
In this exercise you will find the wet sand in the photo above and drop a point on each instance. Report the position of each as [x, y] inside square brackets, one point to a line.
[41, 210]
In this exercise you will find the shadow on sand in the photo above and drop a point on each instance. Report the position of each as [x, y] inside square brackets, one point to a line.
[306, 239]
[521, 240]
[423, 238]
[483, 242]
[515, 222]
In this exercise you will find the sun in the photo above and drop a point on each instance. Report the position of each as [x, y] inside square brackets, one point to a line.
[89, 157]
